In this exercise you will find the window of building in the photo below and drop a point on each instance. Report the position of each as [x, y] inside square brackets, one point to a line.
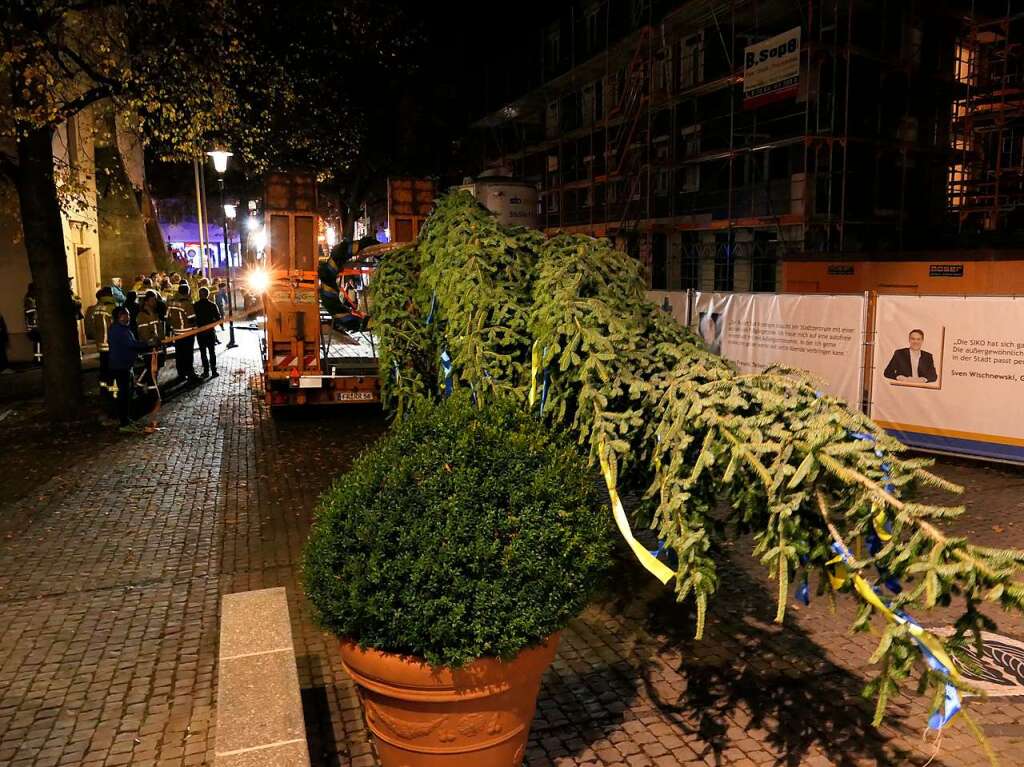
[956, 185]
[691, 61]
[764, 259]
[641, 11]
[690, 180]
[608, 92]
[963, 64]
[589, 112]
[552, 48]
[659, 261]
[571, 111]
[663, 68]
[691, 140]
[662, 182]
[592, 22]
[634, 188]
[725, 263]
[689, 278]
[551, 121]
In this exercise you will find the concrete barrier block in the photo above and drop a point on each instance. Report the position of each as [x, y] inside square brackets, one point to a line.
[259, 708]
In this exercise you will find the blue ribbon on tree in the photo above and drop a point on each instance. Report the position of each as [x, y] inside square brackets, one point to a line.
[803, 591]
[874, 541]
[951, 703]
[433, 302]
[446, 365]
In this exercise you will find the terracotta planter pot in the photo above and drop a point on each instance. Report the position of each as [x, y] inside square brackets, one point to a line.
[422, 716]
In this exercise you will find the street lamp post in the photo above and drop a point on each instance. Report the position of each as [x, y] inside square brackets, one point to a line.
[220, 164]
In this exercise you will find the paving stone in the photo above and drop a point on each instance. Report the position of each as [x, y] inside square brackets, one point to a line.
[112, 570]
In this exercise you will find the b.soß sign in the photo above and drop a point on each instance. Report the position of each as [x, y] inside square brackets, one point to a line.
[771, 69]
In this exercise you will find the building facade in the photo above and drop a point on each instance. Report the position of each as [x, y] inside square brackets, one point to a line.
[729, 143]
[101, 187]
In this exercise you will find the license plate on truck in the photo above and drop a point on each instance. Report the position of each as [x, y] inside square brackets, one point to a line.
[353, 396]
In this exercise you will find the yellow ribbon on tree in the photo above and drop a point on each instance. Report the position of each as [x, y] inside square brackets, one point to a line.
[534, 366]
[656, 567]
[868, 595]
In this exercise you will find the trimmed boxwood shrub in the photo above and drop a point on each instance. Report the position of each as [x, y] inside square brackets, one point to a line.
[463, 533]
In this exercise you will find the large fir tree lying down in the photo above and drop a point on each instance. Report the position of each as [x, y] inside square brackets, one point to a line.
[563, 326]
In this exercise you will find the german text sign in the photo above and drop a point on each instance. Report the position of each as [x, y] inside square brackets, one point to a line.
[821, 334]
[949, 373]
[771, 69]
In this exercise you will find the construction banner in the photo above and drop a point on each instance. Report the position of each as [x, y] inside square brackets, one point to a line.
[821, 334]
[771, 69]
[948, 373]
[675, 302]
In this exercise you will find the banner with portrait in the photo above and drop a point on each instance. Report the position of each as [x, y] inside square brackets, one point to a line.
[821, 334]
[948, 373]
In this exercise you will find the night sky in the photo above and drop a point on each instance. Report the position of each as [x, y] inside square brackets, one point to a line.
[473, 57]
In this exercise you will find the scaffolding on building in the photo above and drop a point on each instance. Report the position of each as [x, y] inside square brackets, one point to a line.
[650, 135]
[986, 178]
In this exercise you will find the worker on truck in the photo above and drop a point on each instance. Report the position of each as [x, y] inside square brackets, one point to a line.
[181, 316]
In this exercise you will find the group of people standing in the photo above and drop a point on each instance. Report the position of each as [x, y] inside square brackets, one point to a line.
[143, 322]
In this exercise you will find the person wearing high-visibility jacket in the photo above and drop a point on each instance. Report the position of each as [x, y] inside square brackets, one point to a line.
[99, 318]
[150, 325]
[32, 322]
[181, 316]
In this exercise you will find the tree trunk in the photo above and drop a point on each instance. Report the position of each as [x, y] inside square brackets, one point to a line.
[351, 195]
[348, 220]
[47, 259]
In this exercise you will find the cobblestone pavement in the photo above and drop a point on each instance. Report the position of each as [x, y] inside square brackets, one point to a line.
[111, 572]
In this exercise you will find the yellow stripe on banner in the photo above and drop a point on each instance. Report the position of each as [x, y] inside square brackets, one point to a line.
[534, 364]
[658, 569]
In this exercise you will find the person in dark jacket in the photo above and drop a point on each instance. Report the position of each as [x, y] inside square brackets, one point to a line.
[912, 364]
[133, 305]
[207, 313]
[124, 349]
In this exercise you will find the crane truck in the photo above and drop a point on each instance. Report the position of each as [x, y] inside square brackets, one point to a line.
[308, 359]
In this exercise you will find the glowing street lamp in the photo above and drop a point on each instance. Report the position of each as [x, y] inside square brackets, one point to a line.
[220, 159]
[230, 210]
[332, 238]
[252, 223]
[220, 164]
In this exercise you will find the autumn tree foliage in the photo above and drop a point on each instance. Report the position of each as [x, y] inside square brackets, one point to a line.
[169, 68]
[281, 83]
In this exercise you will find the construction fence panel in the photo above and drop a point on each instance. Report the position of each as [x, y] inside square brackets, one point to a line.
[821, 334]
[675, 302]
[941, 373]
[948, 373]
